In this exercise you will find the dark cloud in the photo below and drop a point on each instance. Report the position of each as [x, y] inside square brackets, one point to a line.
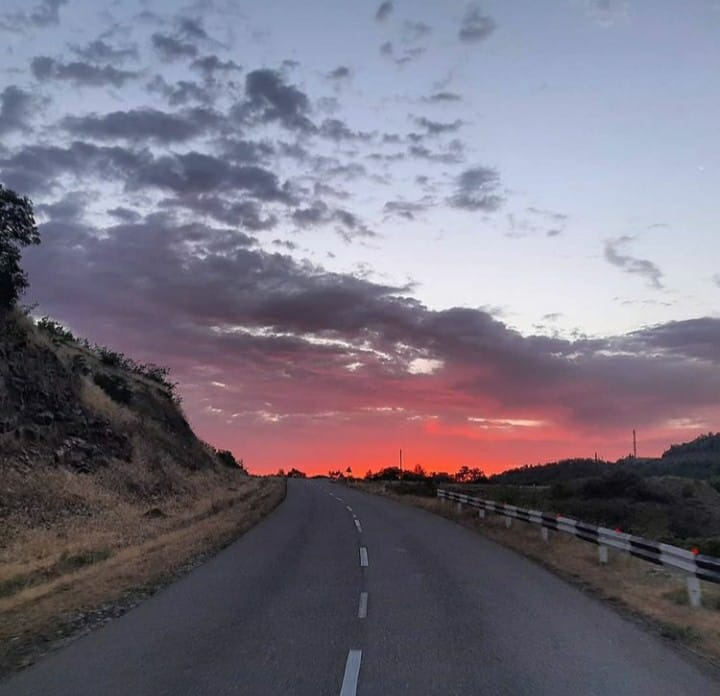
[387, 49]
[330, 168]
[337, 130]
[210, 65]
[322, 189]
[319, 213]
[404, 209]
[454, 154]
[16, 109]
[342, 72]
[37, 169]
[631, 264]
[285, 244]
[246, 151]
[475, 25]
[270, 98]
[316, 214]
[80, 73]
[191, 28]
[70, 208]
[144, 124]
[194, 173]
[410, 55]
[694, 339]
[384, 11]
[243, 213]
[716, 279]
[181, 92]
[443, 97]
[99, 51]
[437, 128]
[125, 214]
[171, 48]
[254, 317]
[45, 14]
[477, 189]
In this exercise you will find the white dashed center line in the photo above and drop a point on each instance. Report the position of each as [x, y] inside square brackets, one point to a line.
[363, 557]
[362, 609]
[348, 508]
[357, 524]
[352, 671]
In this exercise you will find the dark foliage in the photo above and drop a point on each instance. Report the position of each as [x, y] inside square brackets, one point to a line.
[623, 484]
[228, 458]
[114, 386]
[17, 230]
[57, 332]
[555, 472]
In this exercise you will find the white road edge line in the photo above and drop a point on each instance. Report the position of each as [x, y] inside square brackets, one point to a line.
[362, 609]
[357, 524]
[363, 557]
[352, 671]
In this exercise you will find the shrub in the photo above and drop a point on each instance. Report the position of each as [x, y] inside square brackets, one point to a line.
[114, 386]
[228, 458]
[57, 332]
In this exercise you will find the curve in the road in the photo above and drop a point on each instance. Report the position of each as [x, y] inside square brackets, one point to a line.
[296, 607]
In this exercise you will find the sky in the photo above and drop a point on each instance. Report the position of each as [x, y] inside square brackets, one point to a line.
[485, 233]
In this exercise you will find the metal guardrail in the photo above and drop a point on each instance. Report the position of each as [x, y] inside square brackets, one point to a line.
[697, 566]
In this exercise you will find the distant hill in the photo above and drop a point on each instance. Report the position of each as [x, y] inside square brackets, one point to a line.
[697, 459]
[553, 472]
[706, 445]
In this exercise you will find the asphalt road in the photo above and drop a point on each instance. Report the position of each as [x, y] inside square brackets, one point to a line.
[297, 607]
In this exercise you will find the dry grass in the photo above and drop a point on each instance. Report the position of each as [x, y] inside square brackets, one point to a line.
[75, 564]
[651, 592]
[97, 401]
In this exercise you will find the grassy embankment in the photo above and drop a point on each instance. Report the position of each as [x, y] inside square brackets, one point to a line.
[99, 553]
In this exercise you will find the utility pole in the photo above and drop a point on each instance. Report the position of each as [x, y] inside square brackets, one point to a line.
[634, 445]
[401, 466]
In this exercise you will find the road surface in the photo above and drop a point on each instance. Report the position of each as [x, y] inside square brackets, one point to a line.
[339, 592]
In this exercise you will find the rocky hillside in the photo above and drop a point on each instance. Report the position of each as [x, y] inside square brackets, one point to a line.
[67, 406]
[64, 404]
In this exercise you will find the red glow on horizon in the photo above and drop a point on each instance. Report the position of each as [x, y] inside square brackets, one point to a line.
[366, 446]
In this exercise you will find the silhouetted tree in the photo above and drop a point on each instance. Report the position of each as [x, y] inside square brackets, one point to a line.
[467, 475]
[17, 230]
[296, 473]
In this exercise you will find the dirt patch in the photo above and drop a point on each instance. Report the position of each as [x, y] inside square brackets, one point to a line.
[655, 595]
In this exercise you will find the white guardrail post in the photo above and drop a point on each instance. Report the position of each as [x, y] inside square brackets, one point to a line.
[696, 566]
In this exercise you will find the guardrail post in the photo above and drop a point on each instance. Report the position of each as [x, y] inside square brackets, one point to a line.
[545, 534]
[481, 514]
[459, 506]
[603, 554]
[508, 522]
[694, 591]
